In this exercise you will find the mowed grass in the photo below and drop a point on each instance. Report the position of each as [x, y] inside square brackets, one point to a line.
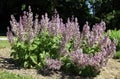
[8, 75]
[117, 55]
[4, 44]
[2, 36]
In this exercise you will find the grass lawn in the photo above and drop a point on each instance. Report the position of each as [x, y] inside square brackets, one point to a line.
[117, 55]
[4, 44]
[7, 75]
[2, 36]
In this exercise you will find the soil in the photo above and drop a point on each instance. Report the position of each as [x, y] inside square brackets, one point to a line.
[111, 71]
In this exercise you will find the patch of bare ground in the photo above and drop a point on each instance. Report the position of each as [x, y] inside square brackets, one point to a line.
[111, 71]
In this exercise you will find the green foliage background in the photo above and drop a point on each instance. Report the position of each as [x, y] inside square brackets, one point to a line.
[107, 10]
[115, 34]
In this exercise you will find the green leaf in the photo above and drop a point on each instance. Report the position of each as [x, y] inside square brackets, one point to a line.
[23, 7]
[54, 46]
[34, 59]
[25, 64]
[33, 47]
[65, 59]
[26, 56]
[55, 39]
[18, 44]
[68, 65]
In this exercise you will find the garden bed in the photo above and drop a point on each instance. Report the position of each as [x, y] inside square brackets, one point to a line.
[111, 71]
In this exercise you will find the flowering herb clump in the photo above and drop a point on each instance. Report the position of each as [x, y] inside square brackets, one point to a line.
[52, 44]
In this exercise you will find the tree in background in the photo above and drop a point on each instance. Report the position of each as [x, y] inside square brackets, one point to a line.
[76, 8]
[107, 10]
[8, 7]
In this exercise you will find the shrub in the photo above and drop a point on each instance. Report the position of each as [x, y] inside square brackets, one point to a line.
[92, 51]
[53, 45]
[116, 34]
[32, 42]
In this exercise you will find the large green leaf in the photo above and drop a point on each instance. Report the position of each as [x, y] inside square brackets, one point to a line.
[33, 58]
